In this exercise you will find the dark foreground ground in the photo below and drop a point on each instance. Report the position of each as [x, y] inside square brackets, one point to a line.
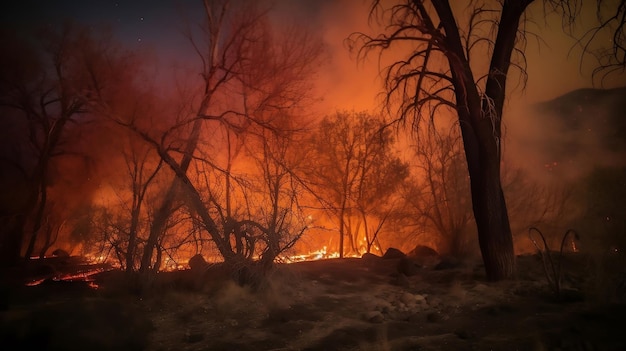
[350, 304]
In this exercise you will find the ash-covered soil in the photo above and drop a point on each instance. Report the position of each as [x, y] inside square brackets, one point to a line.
[349, 304]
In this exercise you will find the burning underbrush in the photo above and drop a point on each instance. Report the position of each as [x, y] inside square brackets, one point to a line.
[315, 301]
[393, 302]
[37, 271]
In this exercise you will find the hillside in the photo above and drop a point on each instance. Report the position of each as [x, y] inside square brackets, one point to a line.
[573, 134]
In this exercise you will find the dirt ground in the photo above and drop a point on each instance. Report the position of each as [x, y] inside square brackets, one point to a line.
[349, 304]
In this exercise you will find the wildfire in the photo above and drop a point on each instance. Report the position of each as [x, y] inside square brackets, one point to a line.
[321, 254]
[86, 276]
[92, 264]
[68, 269]
[311, 256]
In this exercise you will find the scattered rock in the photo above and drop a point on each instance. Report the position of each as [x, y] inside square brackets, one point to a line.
[393, 253]
[425, 256]
[408, 299]
[434, 301]
[381, 305]
[370, 257]
[197, 263]
[374, 317]
[400, 306]
[60, 253]
[422, 251]
[408, 267]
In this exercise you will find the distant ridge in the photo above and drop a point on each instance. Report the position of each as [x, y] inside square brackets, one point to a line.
[569, 102]
[576, 132]
[600, 110]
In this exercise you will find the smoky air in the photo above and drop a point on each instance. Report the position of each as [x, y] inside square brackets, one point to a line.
[318, 175]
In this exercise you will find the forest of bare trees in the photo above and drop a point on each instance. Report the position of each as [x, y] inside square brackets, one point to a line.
[230, 163]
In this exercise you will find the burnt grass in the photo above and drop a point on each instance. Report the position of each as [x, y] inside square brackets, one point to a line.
[349, 304]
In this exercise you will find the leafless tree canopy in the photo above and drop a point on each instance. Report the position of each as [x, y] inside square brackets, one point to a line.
[420, 84]
[457, 59]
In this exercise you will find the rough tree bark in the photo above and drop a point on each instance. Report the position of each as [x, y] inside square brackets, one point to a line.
[480, 119]
[424, 85]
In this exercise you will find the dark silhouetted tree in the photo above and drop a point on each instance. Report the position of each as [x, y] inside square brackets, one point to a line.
[251, 75]
[459, 60]
[45, 93]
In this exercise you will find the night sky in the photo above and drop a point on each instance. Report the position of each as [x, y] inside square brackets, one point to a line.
[137, 24]
[155, 26]
[134, 20]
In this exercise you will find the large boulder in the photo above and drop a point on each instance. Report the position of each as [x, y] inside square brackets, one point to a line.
[370, 257]
[408, 266]
[424, 256]
[198, 263]
[393, 253]
[421, 251]
[60, 253]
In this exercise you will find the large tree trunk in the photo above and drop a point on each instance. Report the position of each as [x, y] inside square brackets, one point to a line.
[158, 227]
[480, 117]
[192, 197]
[164, 211]
[52, 139]
[488, 203]
[490, 211]
[492, 221]
[132, 238]
[38, 219]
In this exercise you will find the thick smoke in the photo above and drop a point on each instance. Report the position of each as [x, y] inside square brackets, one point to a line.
[344, 83]
[565, 138]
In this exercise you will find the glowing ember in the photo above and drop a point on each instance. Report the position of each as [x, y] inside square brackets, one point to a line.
[86, 276]
[314, 256]
[35, 282]
[66, 269]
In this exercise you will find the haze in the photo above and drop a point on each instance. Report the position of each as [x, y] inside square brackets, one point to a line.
[153, 30]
